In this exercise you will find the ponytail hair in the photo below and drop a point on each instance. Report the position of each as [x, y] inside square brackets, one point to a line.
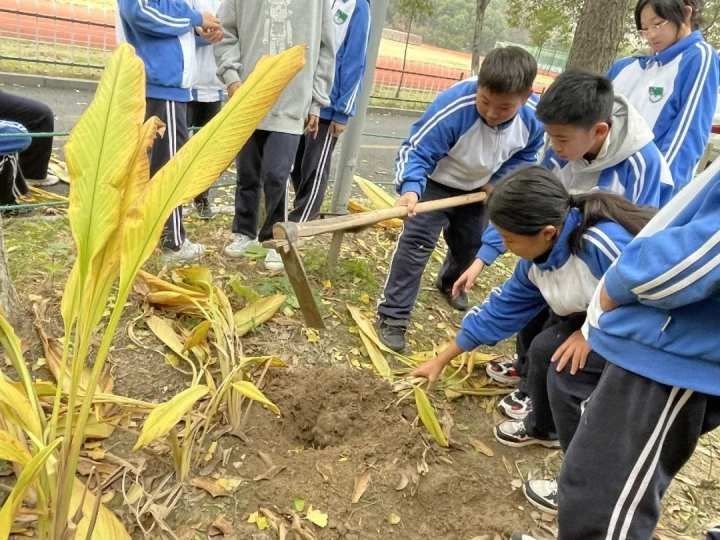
[530, 199]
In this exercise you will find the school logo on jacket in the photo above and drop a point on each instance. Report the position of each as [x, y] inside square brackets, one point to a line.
[656, 93]
[340, 17]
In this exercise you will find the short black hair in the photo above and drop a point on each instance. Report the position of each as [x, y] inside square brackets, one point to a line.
[508, 70]
[577, 98]
[671, 10]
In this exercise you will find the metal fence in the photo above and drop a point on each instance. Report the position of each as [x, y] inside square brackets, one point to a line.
[73, 38]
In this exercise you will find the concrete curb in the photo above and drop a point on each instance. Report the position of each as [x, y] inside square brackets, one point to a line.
[43, 81]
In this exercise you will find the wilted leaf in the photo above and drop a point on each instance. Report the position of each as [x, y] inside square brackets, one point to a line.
[222, 487]
[482, 447]
[317, 517]
[249, 390]
[135, 492]
[377, 358]
[403, 482]
[165, 333]
[11, 449]
[259, 520]
[361, 484]
[393, 518]
[221, 526]
[164, 417]
[244, 292]
[271, 473]
[257, 313]
[427, 415]
[298, 504]
[198, 335]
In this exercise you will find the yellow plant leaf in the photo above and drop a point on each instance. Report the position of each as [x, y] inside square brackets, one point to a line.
[427, 415]
[164, 417]
[259, 520]
[156, 284]
[195, 277]
[317, 517]
[393, 518]
[261, 360]
[19, 408]
[360, 486]
[107, 525]
[11, 449]
[198, 336]
[379, 198]
[204, 157]
[222, 487]
[165, 333]
[174, 301]
[249, 390]
[257, 313]
[26, 478]
[377, 358]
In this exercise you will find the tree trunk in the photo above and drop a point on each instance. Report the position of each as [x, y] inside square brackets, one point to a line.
[477, 35]
[598, 33]
[407, 42]
[8, 296]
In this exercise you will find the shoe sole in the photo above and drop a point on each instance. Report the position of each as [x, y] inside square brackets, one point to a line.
[538, 504]
[530, 442]
[273, 268]
[505, 381]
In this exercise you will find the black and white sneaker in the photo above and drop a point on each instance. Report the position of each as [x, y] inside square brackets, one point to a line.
[392, 333]
[516, 405]
[502, 370]
[513, 433]
[204, 209]
[542, 494]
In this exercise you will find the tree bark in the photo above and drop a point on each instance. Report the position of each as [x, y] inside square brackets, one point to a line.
[8, 295]
[477, 35]
[598, 34]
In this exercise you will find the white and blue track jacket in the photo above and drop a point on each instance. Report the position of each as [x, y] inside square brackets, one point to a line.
[162, 32]
[676, 92]
[629, 164]
[564, 281]
[452, 145]
[667, 282]
[352, 22]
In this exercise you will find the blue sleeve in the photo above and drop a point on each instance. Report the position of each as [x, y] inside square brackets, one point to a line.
[431, 138]
[492, 246]
[506, 311]
[673, 267]
[684, 142]
[16, 137]
[160, 17]
[351, 64]
[645, 177]
[525, 157]
[618, 66]
[602, 245]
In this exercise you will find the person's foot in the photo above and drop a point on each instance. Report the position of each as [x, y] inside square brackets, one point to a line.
[542, 494]
[516, 405]
[204, 209]
[713, 533]
[392, 333]
[273, 261]
[461, 302]
[188, 252]
[239, 245]
[502, 370]
[49, 180]
[513, 433]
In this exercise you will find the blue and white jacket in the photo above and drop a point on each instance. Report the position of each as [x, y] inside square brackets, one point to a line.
[452, 145]
[352, 22]
[676, 92]
[667, 283]
[162, 32]
[564, 281]
[628, 164]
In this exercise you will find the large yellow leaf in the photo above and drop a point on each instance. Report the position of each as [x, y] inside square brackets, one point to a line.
[427, 415]
[165, 333]
[204, 157]
[19, 408]
[99, 152]
[107, 525]
[257, 313]
[249, 390]
[26, 478]
[163, 418]
[379, 198]
[377, 358]
[156, 284]
[12, 449]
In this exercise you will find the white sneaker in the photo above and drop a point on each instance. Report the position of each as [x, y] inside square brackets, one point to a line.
[239, 245]
[49, 180]
[187, 252]
[273, 261]
[542, 494]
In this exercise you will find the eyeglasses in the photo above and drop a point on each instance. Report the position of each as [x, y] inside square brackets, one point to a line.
[653, 28]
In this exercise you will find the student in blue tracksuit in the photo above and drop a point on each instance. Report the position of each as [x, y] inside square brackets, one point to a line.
[597, 142]
[163, 34]
[15, 140]
[676, 87]
[312, 162]
[566, 242]
[471, 136]
[655, 320]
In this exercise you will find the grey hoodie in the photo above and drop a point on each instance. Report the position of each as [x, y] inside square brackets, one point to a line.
[255, 28]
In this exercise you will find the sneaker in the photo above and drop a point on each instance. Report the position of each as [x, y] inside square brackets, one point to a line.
[49, 180]
[542, 494]
[516, 405]
[713, 533]
[188, 252]
[521, 536]
[461, 302]
[239, 245]
[204, 209]
[503, 371]
[513, 433]
[392, 333]
[273, 261]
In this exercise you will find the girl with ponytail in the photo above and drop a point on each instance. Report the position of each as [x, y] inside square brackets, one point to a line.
[566, 243]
